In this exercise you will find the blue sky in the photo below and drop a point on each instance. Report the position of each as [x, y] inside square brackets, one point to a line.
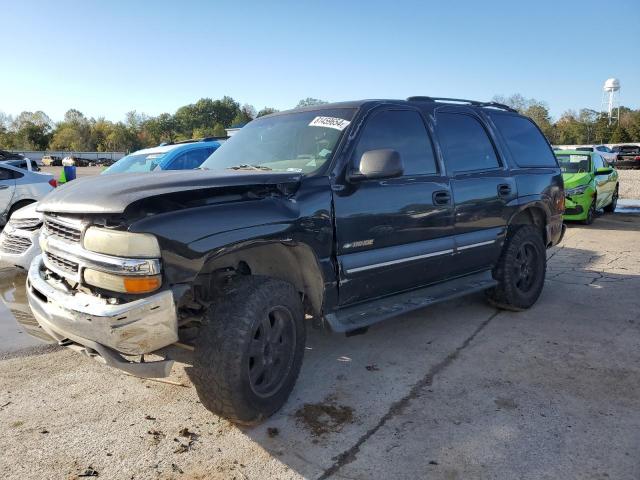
[106, 58]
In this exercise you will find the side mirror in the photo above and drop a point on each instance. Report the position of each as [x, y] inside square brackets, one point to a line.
[604, 171]
[378, 164]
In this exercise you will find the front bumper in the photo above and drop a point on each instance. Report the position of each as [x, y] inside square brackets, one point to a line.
[19, 247]
[134, 328]
[577, 206]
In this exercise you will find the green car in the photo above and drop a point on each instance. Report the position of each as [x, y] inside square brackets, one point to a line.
[590, 183]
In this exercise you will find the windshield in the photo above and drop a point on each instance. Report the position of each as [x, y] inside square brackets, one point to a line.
[574, 163]
[300, 142]
[146, 162]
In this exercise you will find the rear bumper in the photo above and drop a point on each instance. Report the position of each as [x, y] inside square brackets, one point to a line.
[134, 328]
[555, 230]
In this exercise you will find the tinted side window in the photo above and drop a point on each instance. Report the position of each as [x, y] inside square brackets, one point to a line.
[190, 160]
[465, 144]
[527, 145]
[404, 132]
[5, 174]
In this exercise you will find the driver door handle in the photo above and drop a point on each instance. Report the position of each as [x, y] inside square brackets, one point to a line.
[4, 187]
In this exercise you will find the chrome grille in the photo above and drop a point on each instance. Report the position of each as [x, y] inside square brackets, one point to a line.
[62, 263]
[30, 224]
[62, 230]
[14, 245]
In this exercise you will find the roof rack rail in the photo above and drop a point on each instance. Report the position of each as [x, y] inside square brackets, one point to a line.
[475, 103]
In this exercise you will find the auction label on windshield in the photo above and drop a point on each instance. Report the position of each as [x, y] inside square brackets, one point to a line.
[330, 122]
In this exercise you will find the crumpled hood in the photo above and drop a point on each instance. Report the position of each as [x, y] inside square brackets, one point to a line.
[113, 193]
[572, 180]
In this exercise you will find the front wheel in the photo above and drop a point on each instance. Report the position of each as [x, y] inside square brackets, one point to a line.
[521, 269]
[614, 202]
[249, 351]
[591, 213]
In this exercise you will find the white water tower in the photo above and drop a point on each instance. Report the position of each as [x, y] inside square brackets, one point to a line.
[609, 98]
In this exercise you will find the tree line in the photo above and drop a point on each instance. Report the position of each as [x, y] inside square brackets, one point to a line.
[585, 126]
[208, 117]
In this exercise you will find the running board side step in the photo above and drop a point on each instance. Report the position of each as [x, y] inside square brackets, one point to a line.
[366, 314]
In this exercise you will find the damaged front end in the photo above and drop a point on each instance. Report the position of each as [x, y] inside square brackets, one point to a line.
[72, 307]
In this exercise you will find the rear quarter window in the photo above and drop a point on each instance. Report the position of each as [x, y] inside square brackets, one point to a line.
[525, 142]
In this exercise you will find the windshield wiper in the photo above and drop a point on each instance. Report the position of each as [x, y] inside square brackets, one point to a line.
[245, 166]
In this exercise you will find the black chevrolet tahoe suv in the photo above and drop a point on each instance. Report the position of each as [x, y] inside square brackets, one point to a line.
[336, 216]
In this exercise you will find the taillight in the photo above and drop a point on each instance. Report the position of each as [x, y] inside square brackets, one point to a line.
[53, 183]
[637, 158]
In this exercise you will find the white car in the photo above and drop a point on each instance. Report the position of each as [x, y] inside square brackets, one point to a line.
[604, 151]
[19, 187]
[19, 238]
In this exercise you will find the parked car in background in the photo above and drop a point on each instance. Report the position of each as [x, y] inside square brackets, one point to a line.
[337, 216]
[627, 156]
[19, 188]
[23, 163]
[185, 155]
[18, 243]
[52, 161]
[604, 151]
[19, 238]
[5, 155]
[590, 184]
[73, 161]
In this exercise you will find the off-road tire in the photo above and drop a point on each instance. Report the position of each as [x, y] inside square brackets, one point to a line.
[614, 202]
[591, 213]
[17, 206]
[509, 293]
[223, 358]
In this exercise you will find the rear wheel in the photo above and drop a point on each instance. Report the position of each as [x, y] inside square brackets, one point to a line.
[614, 202]
[521, 269]
[249, 352]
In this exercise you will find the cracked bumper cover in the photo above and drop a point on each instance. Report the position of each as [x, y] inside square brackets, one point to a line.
[134, 328]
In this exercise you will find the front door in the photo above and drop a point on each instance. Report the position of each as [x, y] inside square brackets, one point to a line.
[605, 183]
[482, 189]
[393, 235]
[7, 187]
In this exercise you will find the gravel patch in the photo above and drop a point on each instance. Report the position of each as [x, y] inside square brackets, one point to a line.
[629, 184]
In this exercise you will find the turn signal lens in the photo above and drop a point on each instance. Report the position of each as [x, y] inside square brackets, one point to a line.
[141, 284]
[122, 283]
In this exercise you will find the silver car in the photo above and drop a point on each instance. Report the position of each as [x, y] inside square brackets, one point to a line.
[19, 238]
[19, 188]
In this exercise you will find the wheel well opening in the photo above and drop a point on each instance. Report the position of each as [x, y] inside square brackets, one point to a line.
[296, 264]
[531, 216]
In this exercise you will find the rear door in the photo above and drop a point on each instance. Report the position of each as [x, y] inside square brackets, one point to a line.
[395, 234]
[482, 189]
